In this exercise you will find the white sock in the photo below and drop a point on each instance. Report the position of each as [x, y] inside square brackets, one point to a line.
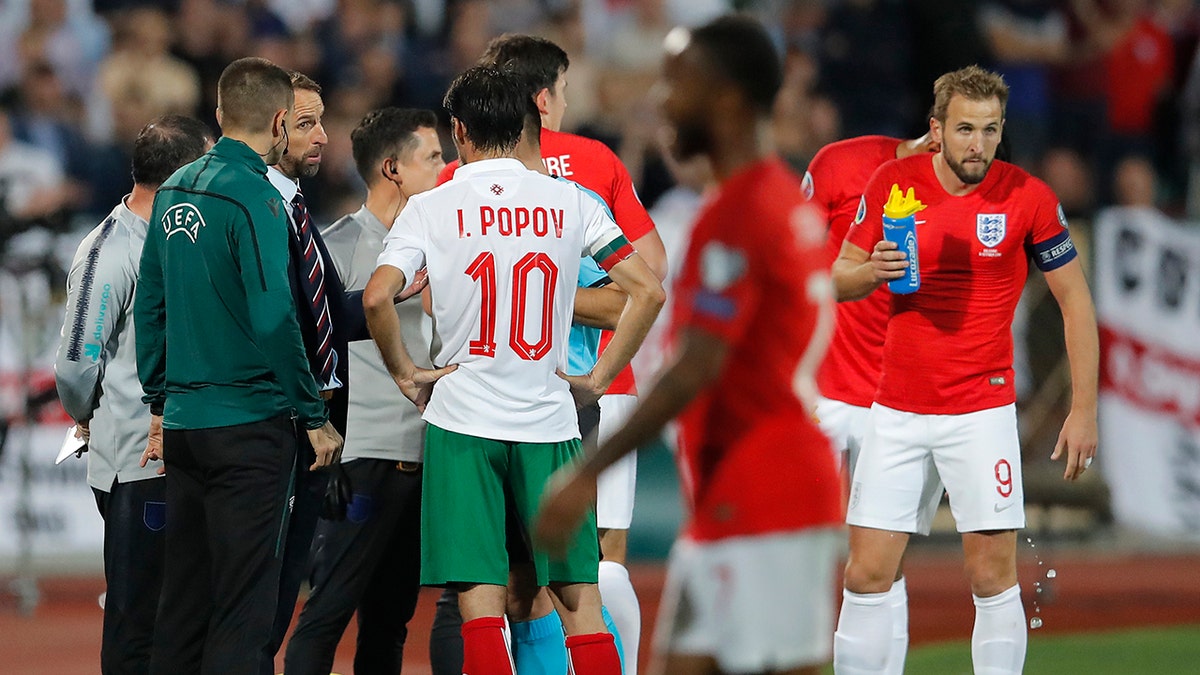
[897, 600]
[998, 641]
[617, 593]
[864, 632]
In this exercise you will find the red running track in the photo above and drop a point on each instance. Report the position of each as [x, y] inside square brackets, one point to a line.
[1090, 591]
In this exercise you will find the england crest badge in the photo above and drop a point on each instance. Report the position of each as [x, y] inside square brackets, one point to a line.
[990, 228]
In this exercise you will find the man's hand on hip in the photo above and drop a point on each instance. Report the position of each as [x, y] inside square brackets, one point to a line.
[419, 385]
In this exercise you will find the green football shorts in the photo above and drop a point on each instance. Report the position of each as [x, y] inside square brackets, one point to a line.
[468, 484]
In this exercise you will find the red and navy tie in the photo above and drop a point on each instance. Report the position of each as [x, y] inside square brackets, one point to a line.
[312, 279]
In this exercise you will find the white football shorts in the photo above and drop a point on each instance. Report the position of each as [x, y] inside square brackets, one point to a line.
[754, 604]
[845, 425]
[616, 485]
[908, 457]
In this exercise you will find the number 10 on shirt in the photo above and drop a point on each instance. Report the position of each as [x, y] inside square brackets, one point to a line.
[483, 270]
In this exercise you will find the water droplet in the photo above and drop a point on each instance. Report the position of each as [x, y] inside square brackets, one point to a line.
[1038, 586]
[1050, 573]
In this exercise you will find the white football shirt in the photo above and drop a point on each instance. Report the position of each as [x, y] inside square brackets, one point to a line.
[502, 245]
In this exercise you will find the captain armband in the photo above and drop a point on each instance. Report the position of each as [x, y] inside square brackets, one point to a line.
[1054, 252]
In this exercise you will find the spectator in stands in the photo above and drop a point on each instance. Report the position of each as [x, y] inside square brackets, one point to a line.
[32, 184]
[1026, 38]
[1080, 85]
[301, 15]
[1141, 72]
[141, 79]
[66, 34]
[1135, 183]
[1070, 177]
[216, 34]
[866, 68]
[44, 116]
[946, 36]
[804, 121]
[567, 29]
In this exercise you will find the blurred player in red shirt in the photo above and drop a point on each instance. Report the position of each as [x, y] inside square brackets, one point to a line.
[834, 181]
[944, 411]
[748, 581]
[594, 166]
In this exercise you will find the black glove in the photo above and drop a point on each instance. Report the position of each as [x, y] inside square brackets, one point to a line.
[338, 494]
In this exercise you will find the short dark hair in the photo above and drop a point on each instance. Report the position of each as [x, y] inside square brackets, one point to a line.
[535, 58]
[165, 144]
[491, 103]
[740, 51]
[387, 132]
[302, 81]
[249, 93]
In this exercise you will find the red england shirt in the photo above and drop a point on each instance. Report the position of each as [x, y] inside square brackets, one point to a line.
[752, 459]
[835, 181]
[594, 166]
[949, 345]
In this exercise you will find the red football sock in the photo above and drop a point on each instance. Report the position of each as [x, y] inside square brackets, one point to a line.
[593, 654]
[485, 649]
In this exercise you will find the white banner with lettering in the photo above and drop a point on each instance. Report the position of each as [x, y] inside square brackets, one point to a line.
[1147, 287]
[48, 509]
[45, 510]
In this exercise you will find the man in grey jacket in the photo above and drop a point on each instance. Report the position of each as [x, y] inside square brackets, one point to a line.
[96, 374]
[370, 561]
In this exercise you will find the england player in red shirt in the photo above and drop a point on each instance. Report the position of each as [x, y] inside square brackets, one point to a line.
[834, 181]
[748, 582]
[944, 410]
[594, 166]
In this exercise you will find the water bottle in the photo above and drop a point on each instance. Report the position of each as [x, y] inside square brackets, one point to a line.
[903, 231]
[900, 226]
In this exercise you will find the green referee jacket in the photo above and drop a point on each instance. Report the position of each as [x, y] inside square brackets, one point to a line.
[217, 338]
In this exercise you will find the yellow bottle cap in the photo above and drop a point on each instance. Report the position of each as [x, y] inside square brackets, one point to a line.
[901, 205]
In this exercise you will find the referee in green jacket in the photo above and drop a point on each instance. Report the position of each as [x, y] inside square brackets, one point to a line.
[221, 359]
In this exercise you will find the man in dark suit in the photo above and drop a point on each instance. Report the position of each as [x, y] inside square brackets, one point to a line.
[329, 318]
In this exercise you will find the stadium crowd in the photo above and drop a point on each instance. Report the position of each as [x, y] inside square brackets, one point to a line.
[1093, 81]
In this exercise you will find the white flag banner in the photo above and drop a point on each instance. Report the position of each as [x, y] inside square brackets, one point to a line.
[45, 507]
[1147, 287]
[45, 510]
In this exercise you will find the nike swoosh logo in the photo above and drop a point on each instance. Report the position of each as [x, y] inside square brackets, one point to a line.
[1002, 508]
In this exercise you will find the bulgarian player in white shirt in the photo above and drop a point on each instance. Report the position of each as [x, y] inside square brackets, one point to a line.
[502, 246]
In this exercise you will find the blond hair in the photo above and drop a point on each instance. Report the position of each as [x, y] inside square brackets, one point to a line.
[972, 83]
